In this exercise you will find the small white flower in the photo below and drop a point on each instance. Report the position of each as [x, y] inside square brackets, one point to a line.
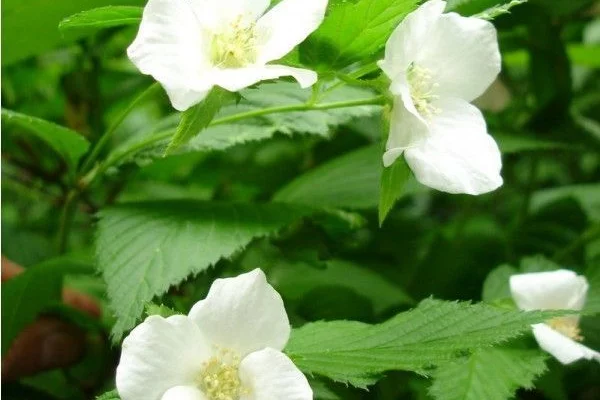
[438, 63]
[189, 46]
[555, 290]
[227, 348]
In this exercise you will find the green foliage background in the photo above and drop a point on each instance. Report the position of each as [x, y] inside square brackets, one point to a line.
[390, 286]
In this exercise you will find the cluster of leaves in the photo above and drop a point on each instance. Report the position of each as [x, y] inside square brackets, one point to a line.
[98, 172]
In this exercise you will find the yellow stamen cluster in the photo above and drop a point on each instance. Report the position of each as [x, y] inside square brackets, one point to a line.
[219, 379]
[566, 326]
[235, 46]
[422, 90]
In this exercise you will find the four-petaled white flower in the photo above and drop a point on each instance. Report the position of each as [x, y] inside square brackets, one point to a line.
[227, 348]
[189, 46]
[438, 63]
[555, 290]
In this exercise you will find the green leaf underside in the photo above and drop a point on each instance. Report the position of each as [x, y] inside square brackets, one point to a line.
[349, 181]
[393, 182]
[144, 248]
[496, 285]
[592, 304]
[367, 24]
[491, 374]
[223, 136]
[298, 279]
[585, 194]
[510, 143]
[195, 119]
[112, 395]
[33, 291]
[433, 333]
[69, 144]
[90, 21]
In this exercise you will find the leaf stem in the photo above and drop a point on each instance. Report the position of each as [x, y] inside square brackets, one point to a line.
[117, 157]
[66, 218]
[299, 107]
[592, 233]
[113, 127]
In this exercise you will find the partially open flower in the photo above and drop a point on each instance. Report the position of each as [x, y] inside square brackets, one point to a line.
[438, 63]
[555, 290]
[189, 46]
[227, 348]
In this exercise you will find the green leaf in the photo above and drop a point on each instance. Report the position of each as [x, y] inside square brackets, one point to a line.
[433, 333]
[70, 145]
[144, 248]
[354, 31]
[297, 279]
[393, 183]
[349, 181]
[498, 9]
[90, 21]
[513, 143]
[196, 118]
[481, 8]
[285, 95]
[490, 374]
[30, 27]
[162, 310]
[111, 395]
[33, 291]
[221, 135]
[496, 285]
[587, 195]
[587, 55]
[592, 304]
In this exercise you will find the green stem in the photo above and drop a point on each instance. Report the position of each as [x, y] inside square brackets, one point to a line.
[111, 130]
[299, 107]
[592, 233]
[158, 137]
[70, 204]
[66, 219]
[353, 77]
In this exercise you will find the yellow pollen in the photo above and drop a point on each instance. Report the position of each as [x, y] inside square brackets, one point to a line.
[219, 379]
[422, 90]
[235, 46]
[566, 326]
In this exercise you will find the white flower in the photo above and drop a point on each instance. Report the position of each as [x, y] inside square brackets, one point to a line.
[189, 46]
[438, 63]
[555, 290]
[227, 348]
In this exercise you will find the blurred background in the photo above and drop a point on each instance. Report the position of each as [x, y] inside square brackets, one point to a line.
[544, 111]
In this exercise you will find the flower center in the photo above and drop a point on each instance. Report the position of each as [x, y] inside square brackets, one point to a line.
[219, 379]
[566, 326]
[422, 90]
[235, 46]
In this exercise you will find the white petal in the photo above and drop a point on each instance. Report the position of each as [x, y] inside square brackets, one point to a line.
[287, 25]
[462, 55]
[458, 156]
[159, 354]
[244, 314]
[563, 348]
[239, 78]
[271, 375]
[215, 14]
[553, 290]
[406, 130]
[408, 37]
[169, 46]
[184, 393]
